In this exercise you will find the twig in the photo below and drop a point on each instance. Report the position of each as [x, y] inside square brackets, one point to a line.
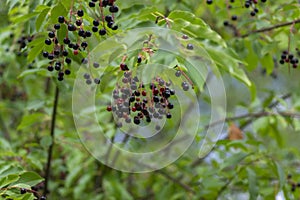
[252, 117]
[271, 28]
[52, 131]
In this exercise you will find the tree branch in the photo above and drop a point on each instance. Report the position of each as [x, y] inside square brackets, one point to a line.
[252, 117]
[270, 28]
[50, 150]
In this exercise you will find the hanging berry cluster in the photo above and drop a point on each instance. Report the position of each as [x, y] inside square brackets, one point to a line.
[74, 43]
[133, 101]
[136, 102]
[289, 58]
[249, 4]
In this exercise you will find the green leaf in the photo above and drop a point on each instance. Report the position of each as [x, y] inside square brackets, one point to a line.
[58, 10]
[35, 51]
[46, 141]
[253, 188]
[234, 160]
[30, 178]
[229, 64]
[8, 180]
[40, 71]
[193, 26]
[24, 18]
[280, 174]
[41, 18]
[29, 120]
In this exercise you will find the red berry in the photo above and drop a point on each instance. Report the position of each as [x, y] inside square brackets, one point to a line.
[108, 108]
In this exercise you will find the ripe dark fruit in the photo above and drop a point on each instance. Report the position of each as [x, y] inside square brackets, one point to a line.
[61, 19]
[105, 3]
[86, 76]
[68, 60]
[115, 27]
[66, 41]
[113, 9]
[252, 13]
[102, 32]
[50, 56]
[97, 81]
[67, 72]
[45, 54]
[110, 24]
[185, 37]
[139, 59]
[23, 190]
[48, 42]
[56, 26]
[136, 120]
[168, 115]
[88, 34]
[96, 23]
[108, 18]
[209, 2]
[65, 53]
[80, 13]
[78, 22]
[56, 52]
[281, 62]
[51, 34]
[89, 81]
[234, 17]
[91, 4]
[84, 44]
[185, 86]
[96, 65]
[190, 47]
[43, 198]
[178, 73]
[226, 23]
[124, 67]
[71, 27]
[95, 29]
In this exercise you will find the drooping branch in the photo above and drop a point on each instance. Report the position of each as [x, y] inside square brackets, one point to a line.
[271, 28]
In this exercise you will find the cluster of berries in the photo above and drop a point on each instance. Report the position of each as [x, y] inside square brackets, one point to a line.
[252, 5]
[289, 58]
[136, 102]
[133, 101]
[74, 41]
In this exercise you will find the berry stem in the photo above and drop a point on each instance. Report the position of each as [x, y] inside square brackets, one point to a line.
[52, 134]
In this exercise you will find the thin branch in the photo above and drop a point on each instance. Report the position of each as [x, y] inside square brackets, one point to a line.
[176, 181]
[252, 117]
[272, 105]
[52, 131]
[271, 28]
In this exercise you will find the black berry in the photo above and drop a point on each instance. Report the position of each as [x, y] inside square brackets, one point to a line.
[80, 13]
[61, 19]
[48, 42]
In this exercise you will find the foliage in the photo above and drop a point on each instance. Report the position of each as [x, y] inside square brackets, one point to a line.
[258, 159]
